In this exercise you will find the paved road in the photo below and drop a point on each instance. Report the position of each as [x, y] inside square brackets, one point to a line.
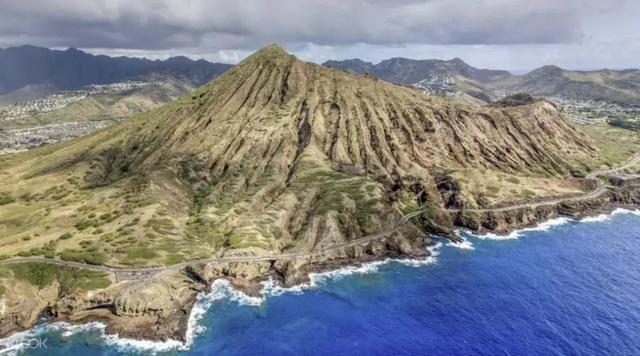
[145, 272]
[600, 189]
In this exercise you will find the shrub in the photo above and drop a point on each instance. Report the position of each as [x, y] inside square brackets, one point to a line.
[65, 236]
[173, 259]
[514, 180]
[492, 190]
[91, 257]
[83, 224]
[5, 198]
[41, 275]
[141, 253]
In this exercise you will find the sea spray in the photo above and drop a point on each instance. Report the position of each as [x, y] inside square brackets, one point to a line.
[19, 341]
[544, 226]
[372, 267]
[597, 218]
[465, 244]
[625, 211]
[63, 330]
[220, 289]
[605, 217]
[272, 288]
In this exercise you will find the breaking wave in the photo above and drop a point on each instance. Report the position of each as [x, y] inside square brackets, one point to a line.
[465, 244]
[222, 289]
[21, 341]
[17, 342]
[605, 217]
[272, 288]
[544, 226]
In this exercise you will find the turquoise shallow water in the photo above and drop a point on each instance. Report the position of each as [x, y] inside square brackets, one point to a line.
[572, 289]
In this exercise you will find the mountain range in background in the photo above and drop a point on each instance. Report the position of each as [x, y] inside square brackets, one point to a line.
[621, 87]
[29, 72]
[276, 157]
[50, 95]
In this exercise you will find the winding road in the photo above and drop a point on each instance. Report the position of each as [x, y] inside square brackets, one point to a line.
[600, 189]
[146, 272]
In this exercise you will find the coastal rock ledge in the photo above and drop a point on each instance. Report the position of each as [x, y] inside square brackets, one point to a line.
[158, 307]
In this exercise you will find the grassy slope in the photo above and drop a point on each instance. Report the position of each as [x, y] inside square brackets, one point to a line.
[106, 106]
[615, 144]
[165, 186]
[42, 275]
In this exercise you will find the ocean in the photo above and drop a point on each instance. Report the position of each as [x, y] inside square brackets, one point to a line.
[563, 288]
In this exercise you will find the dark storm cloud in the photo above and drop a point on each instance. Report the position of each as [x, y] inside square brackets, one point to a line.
[245, 24]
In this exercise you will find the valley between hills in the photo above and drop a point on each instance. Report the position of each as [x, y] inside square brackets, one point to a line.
[276, 169]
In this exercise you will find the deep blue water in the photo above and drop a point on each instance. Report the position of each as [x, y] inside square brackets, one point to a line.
[571, 290]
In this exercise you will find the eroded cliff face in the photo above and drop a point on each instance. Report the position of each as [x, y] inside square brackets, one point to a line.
[22, 304]
[276, 157]
[286, 155]
[505, 221]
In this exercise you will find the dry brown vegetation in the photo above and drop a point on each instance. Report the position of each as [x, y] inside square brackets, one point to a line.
[275, 155]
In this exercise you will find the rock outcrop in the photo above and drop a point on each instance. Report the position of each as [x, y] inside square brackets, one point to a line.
[279, 157]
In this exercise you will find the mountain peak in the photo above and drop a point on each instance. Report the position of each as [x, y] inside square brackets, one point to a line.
[272, 50]
[274, 54]
[314, 110]
[279, 154]
[547, 69]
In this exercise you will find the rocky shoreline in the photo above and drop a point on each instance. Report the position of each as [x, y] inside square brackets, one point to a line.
[159, 308]
[504, 222]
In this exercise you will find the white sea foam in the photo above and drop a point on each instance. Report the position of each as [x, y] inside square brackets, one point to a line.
[372, 267]
[220, 289]
[625, 211]
[272, 288]
[597, 218]
[68, 330]
[365, 268]
[120, 343]
[21, 341]
[545, 226]
[151, 347]
[605, 217]
[465, 244]
[17, 342]
[434, 251]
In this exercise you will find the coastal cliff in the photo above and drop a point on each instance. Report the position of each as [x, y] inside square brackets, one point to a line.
[276, 169]
[158, 308]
